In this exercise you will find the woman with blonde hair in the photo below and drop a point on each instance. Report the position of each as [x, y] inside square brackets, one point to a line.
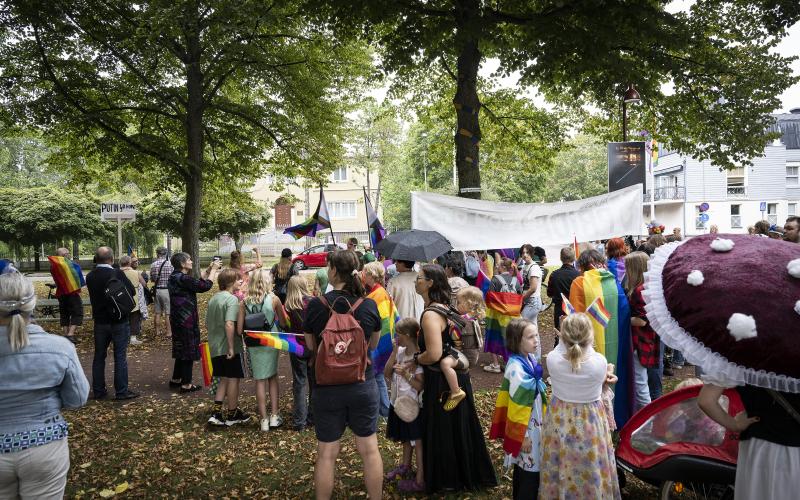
[245, 270]
[297, 298]
[263, 359]
[578, 459]
[372, 275]
[41, 374]
[282, 272]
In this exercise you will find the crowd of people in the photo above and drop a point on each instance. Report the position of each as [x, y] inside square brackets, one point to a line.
[429, 313]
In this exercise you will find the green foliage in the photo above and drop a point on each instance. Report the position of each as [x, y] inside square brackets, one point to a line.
[23, 160]
[581, 171]
[48, 215]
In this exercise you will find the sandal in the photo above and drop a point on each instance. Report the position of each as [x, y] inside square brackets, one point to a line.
[454, 400]
[191, 388]
[410, 486]
[397, 472]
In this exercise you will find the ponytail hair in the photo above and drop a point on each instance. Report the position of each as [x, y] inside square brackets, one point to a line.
[577, 335]
[346, 263]
[17, 302]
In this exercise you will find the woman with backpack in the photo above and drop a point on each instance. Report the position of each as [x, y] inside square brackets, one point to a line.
[456, 457]
[345, 325]
[281, 272]
[263, 359]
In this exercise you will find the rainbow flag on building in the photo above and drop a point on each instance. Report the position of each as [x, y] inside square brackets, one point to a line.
[277, 340]
[320, 220]
[612, 339]
[522, 385]
[389, 316]
[67, 275]
[501, 308]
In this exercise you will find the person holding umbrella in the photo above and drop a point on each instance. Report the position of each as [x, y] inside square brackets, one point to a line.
[746, 340]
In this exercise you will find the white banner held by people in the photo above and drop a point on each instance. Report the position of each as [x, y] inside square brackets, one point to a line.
[478, 224]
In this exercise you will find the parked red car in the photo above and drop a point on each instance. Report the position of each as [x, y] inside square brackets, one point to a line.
[314, 256]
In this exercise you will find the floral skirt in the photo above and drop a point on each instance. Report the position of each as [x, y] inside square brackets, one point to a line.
[577, 453]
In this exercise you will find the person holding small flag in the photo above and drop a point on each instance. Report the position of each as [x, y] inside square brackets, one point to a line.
[69, 281]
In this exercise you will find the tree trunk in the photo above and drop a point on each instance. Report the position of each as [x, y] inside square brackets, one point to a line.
[468, 131]
[194, 140]
[76, 249]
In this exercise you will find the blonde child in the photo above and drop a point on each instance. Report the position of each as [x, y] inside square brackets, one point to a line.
[579, 458]
[407, 382]
[297, 299]
[470, 304]
[522, 382]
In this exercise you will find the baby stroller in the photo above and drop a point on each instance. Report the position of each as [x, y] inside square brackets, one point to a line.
[673, 445]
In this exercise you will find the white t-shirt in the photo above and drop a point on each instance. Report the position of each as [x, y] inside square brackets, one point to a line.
[400, 385]
[402, 289]
[532, 271]
[583, 386]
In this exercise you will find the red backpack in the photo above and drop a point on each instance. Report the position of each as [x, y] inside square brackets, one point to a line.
[342, 352]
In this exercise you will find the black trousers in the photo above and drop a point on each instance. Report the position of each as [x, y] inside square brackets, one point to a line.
[524, 484]
[183, 371]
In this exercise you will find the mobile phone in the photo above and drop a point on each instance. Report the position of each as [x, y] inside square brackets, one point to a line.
[216, 258]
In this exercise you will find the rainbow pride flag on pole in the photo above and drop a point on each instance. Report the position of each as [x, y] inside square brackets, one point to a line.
[67, 275]
[612, 337]
[566, 306]
[277, 340]
[320, 220]
[389, 316]
[501, 308]
[522, 386]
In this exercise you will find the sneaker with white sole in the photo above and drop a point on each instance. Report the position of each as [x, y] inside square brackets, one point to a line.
[275, 421]
[135, 341]
[492, 368]
[216, 419]
[236, 416]
[265, 424]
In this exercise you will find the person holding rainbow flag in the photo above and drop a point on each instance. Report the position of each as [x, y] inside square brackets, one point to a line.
[597, 293]
[69, 280]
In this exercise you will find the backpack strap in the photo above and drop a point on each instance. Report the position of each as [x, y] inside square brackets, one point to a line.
[352, 308]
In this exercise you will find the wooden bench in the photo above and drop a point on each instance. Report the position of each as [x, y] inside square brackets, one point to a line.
[47, 310]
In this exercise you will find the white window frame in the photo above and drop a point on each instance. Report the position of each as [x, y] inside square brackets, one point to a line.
[339, 174]
[793, 173]
[772, 213]
[342, 209]
[791, 209]
[736, 219]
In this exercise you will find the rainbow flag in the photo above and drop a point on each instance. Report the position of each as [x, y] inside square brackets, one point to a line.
[501, 308]
[205, 363]
[67, 275]
[483, 282]
[566, 306]
[575, 248]
[389, 316]
[376, 231]
[612, 340]
[277, 340]
[521, 388]
[599, 312]
[320, 220]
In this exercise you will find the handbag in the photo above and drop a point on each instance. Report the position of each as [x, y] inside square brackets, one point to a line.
[406, 408]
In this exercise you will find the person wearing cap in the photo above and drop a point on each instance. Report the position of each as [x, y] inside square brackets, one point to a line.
[791, 229]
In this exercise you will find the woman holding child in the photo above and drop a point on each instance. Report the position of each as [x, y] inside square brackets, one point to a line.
[455, 454]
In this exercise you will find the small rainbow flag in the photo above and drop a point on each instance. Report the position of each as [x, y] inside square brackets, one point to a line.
[205, 363]
[501, 308]
[575, 248]
[277, 340]
[566, 306]
[598, 312]
[67, 275]
[483, 282]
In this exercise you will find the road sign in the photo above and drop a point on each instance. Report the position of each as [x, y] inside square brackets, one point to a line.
[704, 217]
[763, 206]
[704, 207]
[114, 210]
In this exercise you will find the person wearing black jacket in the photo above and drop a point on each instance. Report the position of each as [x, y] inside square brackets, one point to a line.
[108, 328]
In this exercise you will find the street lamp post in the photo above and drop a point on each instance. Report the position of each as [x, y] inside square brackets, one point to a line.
[631, 96]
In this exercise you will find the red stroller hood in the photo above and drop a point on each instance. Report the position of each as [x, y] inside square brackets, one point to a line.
[674, 425]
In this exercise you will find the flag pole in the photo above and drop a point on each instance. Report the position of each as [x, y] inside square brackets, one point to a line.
[330, 226]
[366, 212]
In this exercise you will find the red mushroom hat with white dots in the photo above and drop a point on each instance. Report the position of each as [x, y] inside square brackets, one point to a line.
[731, 304]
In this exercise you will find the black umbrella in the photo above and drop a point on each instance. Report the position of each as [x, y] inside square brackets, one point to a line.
[414, 245]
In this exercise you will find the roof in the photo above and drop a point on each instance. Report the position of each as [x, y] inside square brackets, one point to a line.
[788, 124]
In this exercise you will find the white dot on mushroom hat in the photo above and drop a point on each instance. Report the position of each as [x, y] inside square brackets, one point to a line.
[742, 326]
[797, 307]
[722, 245]
[794, 268]
[695, 278]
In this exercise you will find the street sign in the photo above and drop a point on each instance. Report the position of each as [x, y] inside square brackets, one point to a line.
[704, 217]
[626, 165]
[763, 206]
[704, 207]
[117, 211]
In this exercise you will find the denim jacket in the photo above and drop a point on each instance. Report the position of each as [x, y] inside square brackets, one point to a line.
[38, 380]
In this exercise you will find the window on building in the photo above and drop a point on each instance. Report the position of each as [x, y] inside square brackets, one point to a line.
[792, 169]
[772, 213]
[736, 216]
[792, 209]
[736, 186]
[342, 209]
[339, 174]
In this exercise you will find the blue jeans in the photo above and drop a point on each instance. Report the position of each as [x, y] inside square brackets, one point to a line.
[302, 387]
[383, 395]
[104, 334]
[655, 375]
[677, 359]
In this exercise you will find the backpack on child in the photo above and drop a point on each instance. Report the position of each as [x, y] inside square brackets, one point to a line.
[342, 352]
[508, 286]
[120, 301]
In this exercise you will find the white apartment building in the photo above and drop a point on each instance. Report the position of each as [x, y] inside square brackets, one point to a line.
[769, 189]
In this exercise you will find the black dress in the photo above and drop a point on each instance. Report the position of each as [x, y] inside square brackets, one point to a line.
[455, 454]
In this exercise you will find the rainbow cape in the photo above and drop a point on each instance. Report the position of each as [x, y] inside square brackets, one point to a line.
[501, 308]
[389, 316]
[67, 275]
[277, 340]
[205, 363]
[614, 339]
[522, 385]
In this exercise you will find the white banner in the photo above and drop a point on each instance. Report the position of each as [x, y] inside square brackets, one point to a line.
[477, 224]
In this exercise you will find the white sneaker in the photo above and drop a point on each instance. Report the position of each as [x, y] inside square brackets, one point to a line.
[274, 421]
[492, 368]
[265, 424]
[135, 341]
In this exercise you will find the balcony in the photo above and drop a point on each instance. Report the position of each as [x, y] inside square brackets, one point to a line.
[737, 192]
[665, 194]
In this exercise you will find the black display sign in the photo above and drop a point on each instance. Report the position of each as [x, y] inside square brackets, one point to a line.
[626, 165]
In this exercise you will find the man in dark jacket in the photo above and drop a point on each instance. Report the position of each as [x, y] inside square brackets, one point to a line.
[560, 282]
[108, 327]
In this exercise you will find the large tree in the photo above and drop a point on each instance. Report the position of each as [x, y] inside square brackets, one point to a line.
[187, 90]
[717, 57]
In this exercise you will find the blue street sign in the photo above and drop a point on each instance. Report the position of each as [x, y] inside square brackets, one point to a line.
[763, 206]
[704, 217]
